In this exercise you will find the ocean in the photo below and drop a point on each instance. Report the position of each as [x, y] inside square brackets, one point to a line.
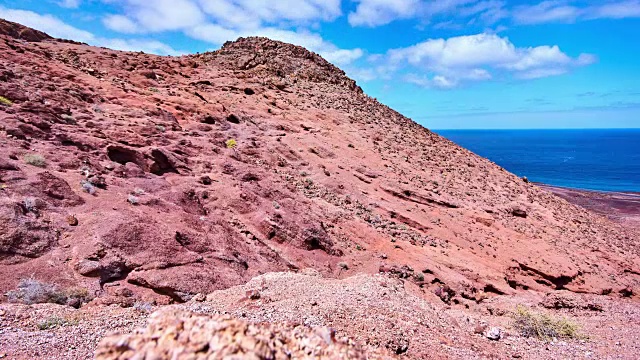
[593, 159]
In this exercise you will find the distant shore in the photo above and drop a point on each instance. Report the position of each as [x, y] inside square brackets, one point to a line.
[621, 206]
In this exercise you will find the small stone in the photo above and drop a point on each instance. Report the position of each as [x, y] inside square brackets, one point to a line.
[253, 294]
[87, 267]
[206, 180]
[479, 329]
[72, 220]
[519, 213]
[493, 333]
[343, 265]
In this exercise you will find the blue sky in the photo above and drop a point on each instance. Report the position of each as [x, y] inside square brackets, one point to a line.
[446, 63]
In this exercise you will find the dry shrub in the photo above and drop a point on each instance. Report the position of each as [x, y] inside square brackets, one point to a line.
[35, 160]
[31, 291]
[543, 326]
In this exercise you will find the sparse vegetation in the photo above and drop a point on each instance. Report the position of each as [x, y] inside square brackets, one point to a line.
[35, 160]
[5, 101]
[53, 322]
[31, 291]
[88, 187]
[231, 144]
[143, 307]
[30, 204]
[69, 119]
[308, 183]
[543, 326]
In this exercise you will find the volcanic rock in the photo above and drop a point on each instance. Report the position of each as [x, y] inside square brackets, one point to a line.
[394, 187]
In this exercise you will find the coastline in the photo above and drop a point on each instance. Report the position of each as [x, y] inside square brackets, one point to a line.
[623, 207]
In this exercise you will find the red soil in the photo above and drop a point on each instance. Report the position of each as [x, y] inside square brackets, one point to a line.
[141, 199]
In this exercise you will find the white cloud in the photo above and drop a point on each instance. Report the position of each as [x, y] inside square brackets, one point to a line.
[546, 11]
[475, 57]
[57, 28]
[47, 23]
[212, 33]
[120, 23]
[456, 13]
[71, 4]
[218, 21]
[565, 11]
[380, 12]
[459, 14]
[274, 11]
[163, 15]
[616, 10]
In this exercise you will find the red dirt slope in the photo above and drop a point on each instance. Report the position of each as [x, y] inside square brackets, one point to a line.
[117, 175]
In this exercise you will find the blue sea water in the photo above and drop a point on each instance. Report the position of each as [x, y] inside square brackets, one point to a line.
[595, 159]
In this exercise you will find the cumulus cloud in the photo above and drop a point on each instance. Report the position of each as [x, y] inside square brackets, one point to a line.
[272, 11]
[164, 15]
[450, 62]
[121, 24]
[57, 28]
[218, 21]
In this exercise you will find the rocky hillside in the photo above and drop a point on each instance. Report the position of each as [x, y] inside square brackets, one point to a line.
[148, 178]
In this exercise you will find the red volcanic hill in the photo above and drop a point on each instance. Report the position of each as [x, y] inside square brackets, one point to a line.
[143, 177]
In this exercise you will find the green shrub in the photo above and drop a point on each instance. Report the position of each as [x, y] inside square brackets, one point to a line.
[5, 101]
[52, 322]
[543, 326]
[35, 160]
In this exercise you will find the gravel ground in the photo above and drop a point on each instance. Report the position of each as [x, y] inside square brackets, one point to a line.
[376, 311]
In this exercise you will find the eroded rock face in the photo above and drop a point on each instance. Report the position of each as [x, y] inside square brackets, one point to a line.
[175, 334]
[23, 235]
[137, 151]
